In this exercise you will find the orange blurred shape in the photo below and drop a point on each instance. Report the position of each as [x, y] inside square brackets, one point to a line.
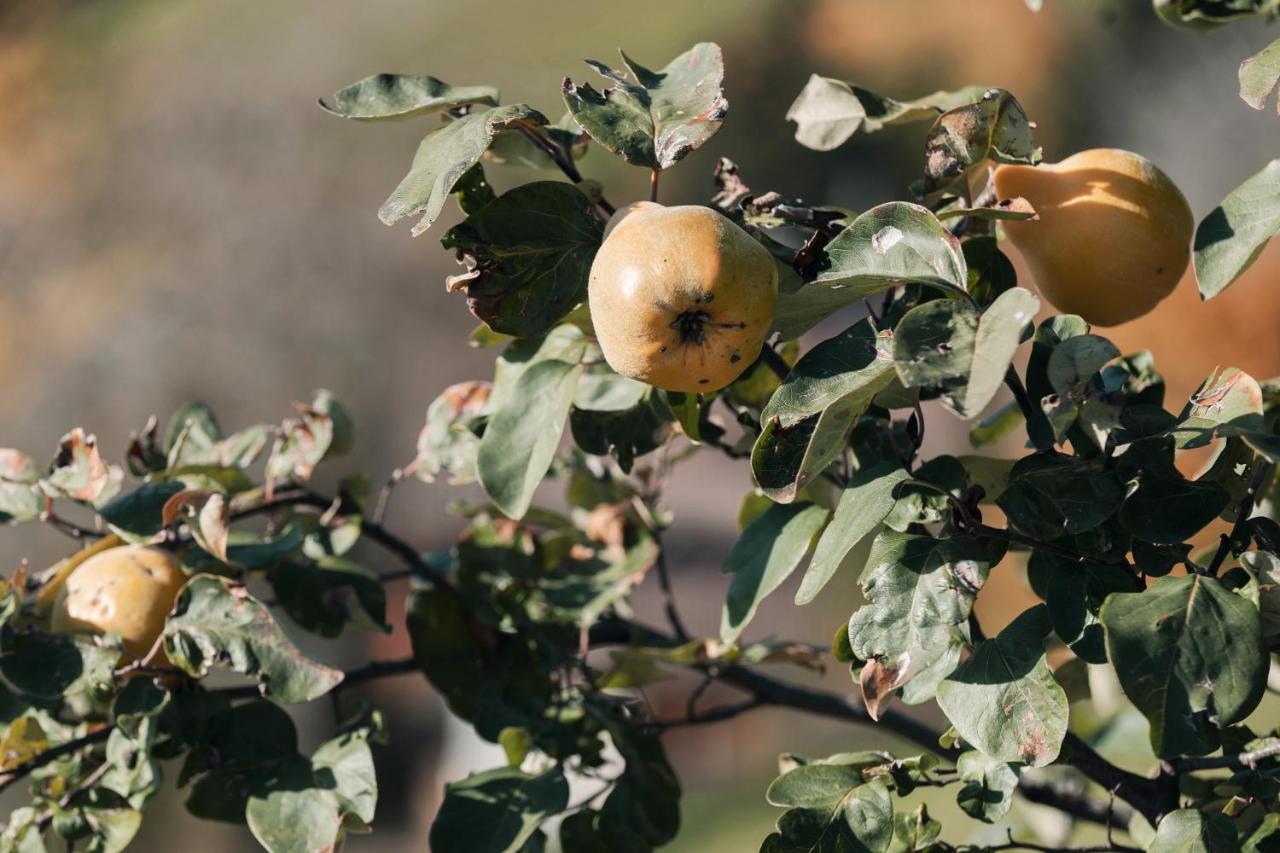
[869, 37]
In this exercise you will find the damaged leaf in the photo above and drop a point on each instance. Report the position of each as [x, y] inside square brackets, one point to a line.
[444, 156]
[994, 128]
[527, 256]
[920, 591]
[653, 118]
[1004, 700]
[393, 96]
[828, 111]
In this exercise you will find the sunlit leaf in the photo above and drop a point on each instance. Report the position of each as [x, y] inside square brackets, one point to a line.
[393, 96]
[1234, 233]
[444, 156]
[766, 554]
[1004, 700]
[653, 118]
[828, 111]
[217, 622]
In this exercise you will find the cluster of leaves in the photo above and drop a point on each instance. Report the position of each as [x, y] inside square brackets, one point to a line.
[1098, 511]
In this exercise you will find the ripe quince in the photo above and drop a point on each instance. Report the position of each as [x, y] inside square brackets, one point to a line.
[1113, 236]
[681, 297]
[129, 590]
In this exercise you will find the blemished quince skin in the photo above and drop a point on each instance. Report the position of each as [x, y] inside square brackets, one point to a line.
[130, 590]
[1113, 237]
[681, 297]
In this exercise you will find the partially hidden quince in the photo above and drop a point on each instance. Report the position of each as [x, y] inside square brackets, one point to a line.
[129, 590]
[681, 298]
[1114, 234]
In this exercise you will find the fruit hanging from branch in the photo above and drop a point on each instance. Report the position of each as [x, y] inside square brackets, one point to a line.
[1113, 237]
[129, 590]
[681, 297]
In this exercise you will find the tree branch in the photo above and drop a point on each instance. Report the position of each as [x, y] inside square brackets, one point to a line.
[766, 691]
[49, 756]
[1230, 541]
[1248, 760]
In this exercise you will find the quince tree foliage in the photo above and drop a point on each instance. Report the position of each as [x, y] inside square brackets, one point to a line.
[524, 627]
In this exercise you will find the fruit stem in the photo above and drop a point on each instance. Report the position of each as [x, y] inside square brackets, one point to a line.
[653, 184]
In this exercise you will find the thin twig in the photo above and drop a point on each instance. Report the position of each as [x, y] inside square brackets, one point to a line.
[668, 592]
[369, 672]
[65, 527]
[1030, 412]
[563, 161]
[715, 715]
[1249, 759]
[766, 691]
[384, 496]
[49, 756]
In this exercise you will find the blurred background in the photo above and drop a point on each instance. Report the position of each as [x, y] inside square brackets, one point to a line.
[178, 220]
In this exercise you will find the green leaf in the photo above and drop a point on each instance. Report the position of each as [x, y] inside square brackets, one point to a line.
[1074, 592]
[891, 244]
[1049, 496]
[22, 832]
[987, 793]
[521, 438]
[643, 810]
[832, 810]
[919, 592]
[288, 813]
[98, 816]
[1265, 567]
[1166, 508]
[808, 420]
[1190, 831]
[393, 96]
[1189, 655]
[448, 442]
[1234, 234]
[654, 119]
[137, 515]
[347, 763]
[914, 832]
[1259, 75]
[324, 596]
[946, 346]
[216, 621]
[497, 811]
[863, 506]
[1004, 700]
[49, 666]
[626, 433]
[19, 496]
[766, 554]
[527, 256]
[828, 111]
[193, 426]
[443, 158]
[1265, 835]
[995, 128]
